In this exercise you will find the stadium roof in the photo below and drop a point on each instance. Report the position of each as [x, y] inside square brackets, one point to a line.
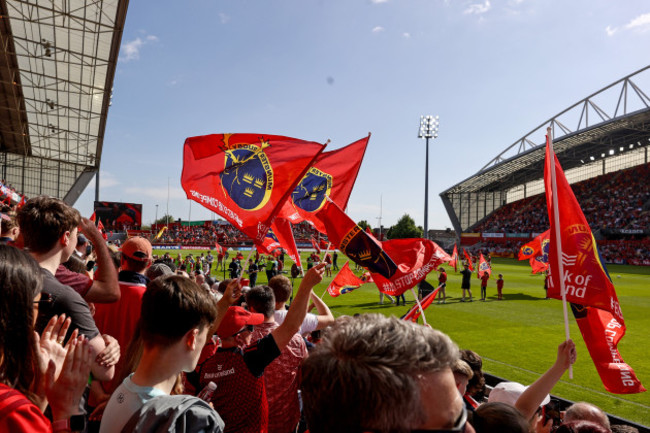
[612, 123]
[57, 64]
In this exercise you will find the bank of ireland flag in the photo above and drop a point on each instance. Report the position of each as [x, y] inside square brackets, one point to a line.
[344, 282]
[483, 266]
[586, 281]
[245, 178]
[332, 175]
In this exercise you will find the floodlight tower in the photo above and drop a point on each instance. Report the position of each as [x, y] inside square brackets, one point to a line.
[428, 129]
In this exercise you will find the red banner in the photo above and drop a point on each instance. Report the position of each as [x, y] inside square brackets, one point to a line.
[585, 280]
[344, 282]
[282, 229]
[414, 313]
[415, 258]
[469, 260]
[534, 247]
[245, 178]
[332, 175]
[354, 242]
[483, 266]
[269, 244]
[454, 259]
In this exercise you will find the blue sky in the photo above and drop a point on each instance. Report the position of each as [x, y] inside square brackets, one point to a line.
[338, 69]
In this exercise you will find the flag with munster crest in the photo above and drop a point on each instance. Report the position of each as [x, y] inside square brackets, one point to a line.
[245, 178]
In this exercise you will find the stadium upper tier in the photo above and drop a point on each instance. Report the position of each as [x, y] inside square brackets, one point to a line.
[605, 132]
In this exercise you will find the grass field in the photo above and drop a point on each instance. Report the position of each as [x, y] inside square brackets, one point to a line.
[518, 337]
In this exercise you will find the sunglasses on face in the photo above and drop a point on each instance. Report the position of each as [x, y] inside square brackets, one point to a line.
[248, 328]
[459, 425]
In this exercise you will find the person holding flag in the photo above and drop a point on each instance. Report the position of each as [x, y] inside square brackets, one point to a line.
[577, 275]
[484, 277]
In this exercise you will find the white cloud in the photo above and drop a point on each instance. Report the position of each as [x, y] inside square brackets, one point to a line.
[406, 35]
[378, 29]
[478, 8]
[376, 2]
[131, 49]
[642, 23]
[223, 18]
[155, 192]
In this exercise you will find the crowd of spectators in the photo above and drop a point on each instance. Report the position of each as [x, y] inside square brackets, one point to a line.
[617, 200]
[122, 344]
[222, 233]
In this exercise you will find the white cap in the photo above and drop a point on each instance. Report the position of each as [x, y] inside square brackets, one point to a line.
[509, 392]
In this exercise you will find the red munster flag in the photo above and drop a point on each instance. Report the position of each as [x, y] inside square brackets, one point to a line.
[332, 175]
[269, 244]
[537, 246]
[414, 313]
[314, 243]
[355, 243]
[454, 259]
[415, 258]
[245, 177]
[324, 245]
[282, 229]
[586, 281]
[483, 266]
[539, 263]
[344, 282]
[218, 248]
[469, 260]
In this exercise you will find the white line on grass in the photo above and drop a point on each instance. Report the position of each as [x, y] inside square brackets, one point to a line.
[571, 384]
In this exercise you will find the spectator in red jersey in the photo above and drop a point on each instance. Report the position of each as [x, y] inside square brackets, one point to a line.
[240, 397]
[120, 319]
[281, 376]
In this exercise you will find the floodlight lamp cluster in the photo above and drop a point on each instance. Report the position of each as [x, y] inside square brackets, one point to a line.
[429, 126]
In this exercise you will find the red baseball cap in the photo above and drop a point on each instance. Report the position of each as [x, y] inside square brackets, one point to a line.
[137, 248]
[235, 319]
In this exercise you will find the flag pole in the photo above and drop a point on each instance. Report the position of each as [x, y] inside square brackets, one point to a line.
[424, 319]
[558, 238]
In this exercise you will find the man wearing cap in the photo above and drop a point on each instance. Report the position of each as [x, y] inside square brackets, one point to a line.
[240, 397]
[120, 319]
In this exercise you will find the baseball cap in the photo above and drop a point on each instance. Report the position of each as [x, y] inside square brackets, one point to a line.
[156, 270]
[137, 248]
[235, 319]
[509, 393]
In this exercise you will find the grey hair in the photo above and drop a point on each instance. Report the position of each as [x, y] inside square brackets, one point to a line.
[364, 374]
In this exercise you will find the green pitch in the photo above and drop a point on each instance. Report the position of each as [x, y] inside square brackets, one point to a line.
[518, 337]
